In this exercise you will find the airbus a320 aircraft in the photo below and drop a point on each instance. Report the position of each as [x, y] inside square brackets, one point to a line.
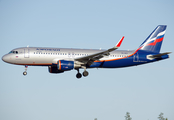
[60, 60]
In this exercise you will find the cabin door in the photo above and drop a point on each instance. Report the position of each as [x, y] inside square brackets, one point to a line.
[26, 53]
[136, 57]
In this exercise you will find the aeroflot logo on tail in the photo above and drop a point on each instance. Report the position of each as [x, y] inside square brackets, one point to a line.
[48, 49]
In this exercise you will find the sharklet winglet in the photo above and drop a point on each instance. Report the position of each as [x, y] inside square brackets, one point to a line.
[119, 43]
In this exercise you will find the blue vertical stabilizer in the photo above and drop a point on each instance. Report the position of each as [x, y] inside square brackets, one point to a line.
[154, 40]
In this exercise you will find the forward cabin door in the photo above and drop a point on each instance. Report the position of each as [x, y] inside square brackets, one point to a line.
[26, 53]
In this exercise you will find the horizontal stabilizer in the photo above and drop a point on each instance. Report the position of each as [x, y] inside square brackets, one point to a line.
[157, 56]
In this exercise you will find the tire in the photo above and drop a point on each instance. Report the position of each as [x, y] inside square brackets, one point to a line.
[78, 75]
[85, 73]
[24, 73]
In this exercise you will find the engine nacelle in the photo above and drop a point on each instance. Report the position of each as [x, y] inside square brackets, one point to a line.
[53, 69]
[65, 65]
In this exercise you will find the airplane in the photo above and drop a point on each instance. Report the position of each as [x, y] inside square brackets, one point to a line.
[60, 60]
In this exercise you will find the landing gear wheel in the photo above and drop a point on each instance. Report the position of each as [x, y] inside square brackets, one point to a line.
[78, 75]
[24, 73]
[85, 73]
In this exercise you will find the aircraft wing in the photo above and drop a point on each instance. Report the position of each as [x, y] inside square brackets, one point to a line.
[93, 57]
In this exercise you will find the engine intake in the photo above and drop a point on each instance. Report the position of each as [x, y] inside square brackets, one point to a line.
[53, 69]
[65, 65]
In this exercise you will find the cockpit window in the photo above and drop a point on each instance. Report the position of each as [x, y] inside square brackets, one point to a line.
[14, 52]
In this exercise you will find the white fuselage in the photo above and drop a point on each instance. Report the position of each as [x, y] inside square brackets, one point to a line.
[49, 56]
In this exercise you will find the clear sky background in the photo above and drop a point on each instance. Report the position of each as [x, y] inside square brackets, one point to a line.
[107, 94]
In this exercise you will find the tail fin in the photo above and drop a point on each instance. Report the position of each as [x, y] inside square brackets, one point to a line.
[154, 40]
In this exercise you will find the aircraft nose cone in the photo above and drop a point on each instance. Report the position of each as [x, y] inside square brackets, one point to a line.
[4, 58]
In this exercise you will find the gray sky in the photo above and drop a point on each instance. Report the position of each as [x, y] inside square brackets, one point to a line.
[107, 94]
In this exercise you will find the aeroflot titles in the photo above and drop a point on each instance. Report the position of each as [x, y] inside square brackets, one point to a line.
[48, 49]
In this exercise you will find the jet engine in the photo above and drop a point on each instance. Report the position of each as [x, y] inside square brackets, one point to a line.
[53, 69]
[65, 65]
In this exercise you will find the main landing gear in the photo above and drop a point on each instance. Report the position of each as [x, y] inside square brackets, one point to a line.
[25, 72]
[85, 73]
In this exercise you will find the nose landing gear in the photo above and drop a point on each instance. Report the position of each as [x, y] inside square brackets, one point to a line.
[25, 72]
